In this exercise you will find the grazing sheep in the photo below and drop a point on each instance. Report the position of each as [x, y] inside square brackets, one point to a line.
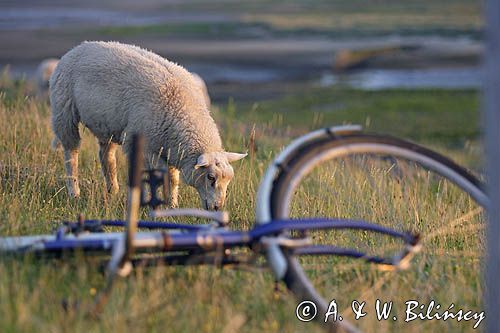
[118, 90]
[42, 76]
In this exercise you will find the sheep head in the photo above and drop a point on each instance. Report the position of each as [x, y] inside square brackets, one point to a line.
[211, 175]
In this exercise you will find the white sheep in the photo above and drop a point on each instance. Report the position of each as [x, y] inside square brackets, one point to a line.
[42, 76]
[117, 90]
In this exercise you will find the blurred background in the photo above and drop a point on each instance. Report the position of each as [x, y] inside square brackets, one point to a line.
[256, 50]
[274, 70]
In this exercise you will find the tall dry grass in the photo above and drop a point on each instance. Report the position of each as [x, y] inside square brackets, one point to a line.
[185, 299]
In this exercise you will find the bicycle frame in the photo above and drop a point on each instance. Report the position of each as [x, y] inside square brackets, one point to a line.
[209, 237]
[183, 244]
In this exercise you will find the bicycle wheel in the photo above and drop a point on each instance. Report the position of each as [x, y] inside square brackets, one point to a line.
[391, 182]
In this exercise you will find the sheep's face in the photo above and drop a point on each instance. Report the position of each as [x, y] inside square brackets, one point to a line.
[212, 174]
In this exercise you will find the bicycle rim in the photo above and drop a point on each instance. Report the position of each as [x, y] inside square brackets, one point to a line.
[396, 184]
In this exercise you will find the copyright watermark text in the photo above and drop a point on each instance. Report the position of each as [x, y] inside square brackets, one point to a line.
[413, 310]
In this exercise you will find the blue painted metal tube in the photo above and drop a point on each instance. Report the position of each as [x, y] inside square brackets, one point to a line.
[206, 240]
[339, 251]
[199, 237]
[150, 224]
[75, 244]
[173, 242]
[278, 226]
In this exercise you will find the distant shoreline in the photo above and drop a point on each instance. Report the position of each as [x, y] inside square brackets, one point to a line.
[236, 51]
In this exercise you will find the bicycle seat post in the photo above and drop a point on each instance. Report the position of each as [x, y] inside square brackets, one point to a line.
[123, 250]
[136, 161]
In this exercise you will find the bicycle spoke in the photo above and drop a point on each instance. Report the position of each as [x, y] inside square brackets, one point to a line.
[387, 185]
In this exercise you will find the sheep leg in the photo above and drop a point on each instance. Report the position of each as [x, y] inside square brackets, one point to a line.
[71, 166]
[174, 186]
[107, 156]
[65, 119]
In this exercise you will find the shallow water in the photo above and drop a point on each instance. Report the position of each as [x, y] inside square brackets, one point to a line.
[375, 79]
[369, 79]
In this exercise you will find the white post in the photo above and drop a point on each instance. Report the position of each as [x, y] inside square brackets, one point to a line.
[491, 119]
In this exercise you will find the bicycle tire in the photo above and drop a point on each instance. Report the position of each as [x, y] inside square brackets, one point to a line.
[290, 169]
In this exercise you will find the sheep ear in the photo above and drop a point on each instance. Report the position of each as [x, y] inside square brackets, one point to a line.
[202, 161]
[233, 157]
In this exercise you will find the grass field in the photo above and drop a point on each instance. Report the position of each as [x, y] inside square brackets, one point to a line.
[205, 299]
[339, 18]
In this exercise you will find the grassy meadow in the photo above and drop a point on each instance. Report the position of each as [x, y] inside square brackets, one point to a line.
[205, 299]
[338, 18]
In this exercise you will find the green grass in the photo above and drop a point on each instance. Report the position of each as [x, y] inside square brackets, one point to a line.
[378, 17]
[263, 27]
[215, 30]
[336, 19]
[447, 120]
[445, 115]
[206, 299]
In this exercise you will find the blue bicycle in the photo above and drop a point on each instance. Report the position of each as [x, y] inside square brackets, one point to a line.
[298, 216]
